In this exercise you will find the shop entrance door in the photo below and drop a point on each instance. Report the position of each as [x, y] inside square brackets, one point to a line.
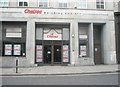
[47, 54]
[97, 54]
[52, 54]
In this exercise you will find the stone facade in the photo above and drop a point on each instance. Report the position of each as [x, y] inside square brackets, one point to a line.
[73, 17]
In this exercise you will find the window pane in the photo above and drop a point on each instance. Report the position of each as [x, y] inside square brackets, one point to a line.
[39, 34]
[65, 4]
[13, 30]
[83, 40]
[4, 3]
[43, 4]
[62, 3]
[100, 4]
[17, 49]
[65, 34]
[102, 0]
[8, 49]
[40, 4]
[81, 4]
[20, 3]
[25, 4]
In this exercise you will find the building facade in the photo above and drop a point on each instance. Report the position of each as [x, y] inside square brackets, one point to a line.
[57, 32]
[117, 30]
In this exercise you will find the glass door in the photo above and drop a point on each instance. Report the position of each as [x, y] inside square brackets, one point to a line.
[57, 54]
[47, 54]
[52, 54]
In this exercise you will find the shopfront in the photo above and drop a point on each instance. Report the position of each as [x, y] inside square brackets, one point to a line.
[57, 37]
[52, 44]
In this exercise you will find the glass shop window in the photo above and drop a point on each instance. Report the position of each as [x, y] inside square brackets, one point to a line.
[83, 47]
[14, 42]
[83, 42]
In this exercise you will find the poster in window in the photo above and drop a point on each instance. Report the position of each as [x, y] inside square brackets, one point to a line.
[65, 53]
[39, 55]
[8, 49]
[83, 51]
[17, 49]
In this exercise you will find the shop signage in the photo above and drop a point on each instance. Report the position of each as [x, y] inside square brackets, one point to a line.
[32, 11]
[65, 53]
[52, 34]
[8, 49]
[83, 51]
[17, 49]
[39, 55]
[83, 36]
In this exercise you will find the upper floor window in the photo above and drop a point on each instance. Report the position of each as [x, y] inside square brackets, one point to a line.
[82, 4]
[23, 3]
[4, 3]
[100, 4]
[43, 3]
[62, 3]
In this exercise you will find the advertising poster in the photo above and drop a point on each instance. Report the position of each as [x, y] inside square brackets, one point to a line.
[39, 56]
[8, 49]
[65, 53]
[17, 49]
[83, 51]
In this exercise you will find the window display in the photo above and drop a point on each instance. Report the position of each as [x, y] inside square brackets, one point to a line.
[8, 49]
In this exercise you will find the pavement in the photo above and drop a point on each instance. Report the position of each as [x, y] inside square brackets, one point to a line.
[60, 70]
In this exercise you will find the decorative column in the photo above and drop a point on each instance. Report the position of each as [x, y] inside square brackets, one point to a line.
[73, 42]
[91, 43]
[109, 43]
[30, 42]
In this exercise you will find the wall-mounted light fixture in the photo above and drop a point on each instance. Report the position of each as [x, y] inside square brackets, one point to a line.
[73, 35]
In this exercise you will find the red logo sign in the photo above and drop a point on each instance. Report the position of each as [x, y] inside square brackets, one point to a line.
[28, 11]
[51, 36]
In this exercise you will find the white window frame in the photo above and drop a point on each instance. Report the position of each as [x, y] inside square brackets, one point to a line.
[4, 1]
[104, 5]
[43, 1]
[82, 7]
[62, 2]
[23, 1]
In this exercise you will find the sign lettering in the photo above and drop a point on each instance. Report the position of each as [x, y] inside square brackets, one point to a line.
[28, 11]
